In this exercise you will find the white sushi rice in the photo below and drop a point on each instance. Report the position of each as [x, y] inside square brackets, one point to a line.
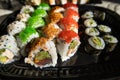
[27, 9]
[92, 31]
[90, 23]
[9, 42]
[15, 27]
[52, 51]
[104, 28]
[63, 49]
[88, 14]
[98, 47]
[23, 17]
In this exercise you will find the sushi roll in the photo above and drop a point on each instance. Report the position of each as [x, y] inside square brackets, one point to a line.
[26, 35]
[33, 2]
[51, 31]
[92, 31]
[55, 17]
[57, 9]
[42, 54]
[15, 27]
[27, 9]
[52, 2]
[70, 13]
[104, 29]
[44, 6]
[95, 45]
[90, 23]
[111, 42]
[35, 22]
[40, 13]
[67, 44]
[23, 17]
[71, 6]
[88, 14]
[8, 49]
[68, 24]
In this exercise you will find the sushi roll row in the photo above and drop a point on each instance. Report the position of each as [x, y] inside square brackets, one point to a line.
[98, 36]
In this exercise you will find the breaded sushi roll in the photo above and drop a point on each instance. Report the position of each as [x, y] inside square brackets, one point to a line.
[67, 44]
[57, 9]
[51, 31]
[27, 9]
[23, 17]
[8, 49]
[70, 13]
[15, 27]
[36, 22]
[26, 36]
[71, 6]
[68, 24]
[42, 54]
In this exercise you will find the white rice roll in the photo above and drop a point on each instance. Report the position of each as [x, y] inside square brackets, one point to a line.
[90, 23]
[42, 44]
[104, 28]
[88, 14]
[27, 9]
[15, 27]
[23, 17]
[9, 42]
[68, 43]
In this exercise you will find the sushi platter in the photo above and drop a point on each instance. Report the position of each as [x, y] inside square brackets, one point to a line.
[67, 41]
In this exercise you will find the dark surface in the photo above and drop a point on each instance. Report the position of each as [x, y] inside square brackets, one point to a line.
[81, 65]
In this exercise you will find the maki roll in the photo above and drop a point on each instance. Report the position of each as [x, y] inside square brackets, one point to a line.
[26, 36]
[70, 13]
[104, 29]
[67, 44]
[92, 31]
[111, 42]
[51, 31]
[15, 27]
[42, 54]
[44, 6]
[55, 17]
[88, 14]
[69, 24]
[71, 6]
[57, 9]
[39, 13]
[27, 9]
[90, 23]
[8, 49]
[23, 17]
[95, 45]
[35, 22]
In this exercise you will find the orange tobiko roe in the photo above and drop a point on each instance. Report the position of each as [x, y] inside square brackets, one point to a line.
[67, 5]
[68, 23]
[68, 35]
[70, 13]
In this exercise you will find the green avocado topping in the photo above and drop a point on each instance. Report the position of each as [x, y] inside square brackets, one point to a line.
[96, 41]
[3, 59]
[40, 13]
[42, 55]
[44, 6]
[73, 44]
[35, 22]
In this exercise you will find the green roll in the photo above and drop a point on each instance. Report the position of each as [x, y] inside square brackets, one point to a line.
[44, 6]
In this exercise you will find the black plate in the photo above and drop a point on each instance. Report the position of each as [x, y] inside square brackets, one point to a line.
[81, 65]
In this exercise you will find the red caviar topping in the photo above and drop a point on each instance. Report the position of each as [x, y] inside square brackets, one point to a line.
[68, 35]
